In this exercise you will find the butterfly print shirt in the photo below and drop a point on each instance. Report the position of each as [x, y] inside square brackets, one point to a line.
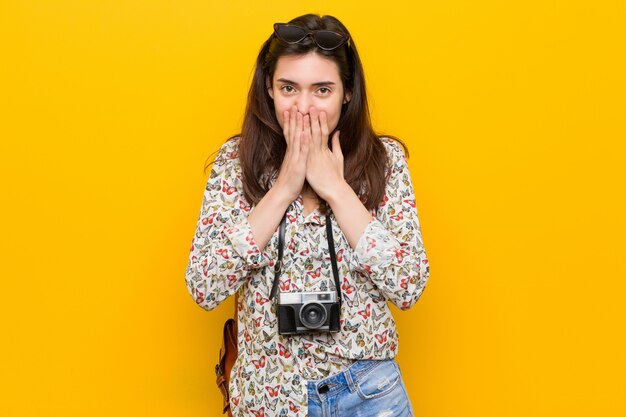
[269, 377]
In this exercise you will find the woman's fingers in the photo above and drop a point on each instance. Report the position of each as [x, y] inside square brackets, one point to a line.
[306, 121]
[293, 170]
[336, 144]
[316, 134]
[306, 145]
[297, 136]
[286, 124]
[292, 123]
[306, 135]
[324, 130]
[299, 122]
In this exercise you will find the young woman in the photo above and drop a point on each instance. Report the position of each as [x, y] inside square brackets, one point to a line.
[323, 341]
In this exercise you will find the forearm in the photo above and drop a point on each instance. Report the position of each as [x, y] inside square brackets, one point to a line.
[352, 216]
[391, 254]
[266, 215]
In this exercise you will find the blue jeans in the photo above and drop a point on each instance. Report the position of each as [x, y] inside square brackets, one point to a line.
[366, 389]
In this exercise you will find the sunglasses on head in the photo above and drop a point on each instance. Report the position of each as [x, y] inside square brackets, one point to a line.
[325, 39]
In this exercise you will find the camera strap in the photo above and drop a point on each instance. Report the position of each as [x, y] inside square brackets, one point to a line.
[279, 262]
[331, 249]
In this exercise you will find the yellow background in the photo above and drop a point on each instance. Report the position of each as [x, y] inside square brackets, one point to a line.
[514, 113]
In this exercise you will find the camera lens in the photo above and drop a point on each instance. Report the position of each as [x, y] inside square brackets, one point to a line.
[313, 315]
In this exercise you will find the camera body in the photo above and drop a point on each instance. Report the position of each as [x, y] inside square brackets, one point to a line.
[305, 312]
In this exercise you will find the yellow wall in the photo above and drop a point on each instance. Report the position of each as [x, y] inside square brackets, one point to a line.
[514, 113]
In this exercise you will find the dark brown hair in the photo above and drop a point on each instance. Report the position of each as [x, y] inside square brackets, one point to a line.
[262, 145]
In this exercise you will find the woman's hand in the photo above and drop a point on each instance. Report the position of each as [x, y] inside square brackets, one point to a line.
[293, 169]
[324, 168]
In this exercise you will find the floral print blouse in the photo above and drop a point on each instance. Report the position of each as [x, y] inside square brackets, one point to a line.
[269, 377]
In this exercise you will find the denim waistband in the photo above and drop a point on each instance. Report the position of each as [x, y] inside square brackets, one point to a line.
[346, 379]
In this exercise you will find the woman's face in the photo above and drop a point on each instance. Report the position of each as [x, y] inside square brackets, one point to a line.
[307, 81]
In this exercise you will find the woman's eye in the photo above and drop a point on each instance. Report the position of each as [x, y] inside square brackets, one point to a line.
[287, 88]
[324, 90]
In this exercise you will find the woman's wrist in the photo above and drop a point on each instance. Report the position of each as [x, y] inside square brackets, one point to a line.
[338, 193]
[352, 216]
[266, 215]
[280, 196]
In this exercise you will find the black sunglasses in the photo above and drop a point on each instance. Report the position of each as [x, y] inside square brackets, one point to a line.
[325, 39]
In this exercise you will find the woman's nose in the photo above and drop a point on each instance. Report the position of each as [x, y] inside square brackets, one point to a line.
[303, 104]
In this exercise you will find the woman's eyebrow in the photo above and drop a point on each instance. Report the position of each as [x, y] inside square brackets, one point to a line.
[315, 84]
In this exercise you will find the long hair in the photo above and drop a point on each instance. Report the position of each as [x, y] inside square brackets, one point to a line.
[262, 145]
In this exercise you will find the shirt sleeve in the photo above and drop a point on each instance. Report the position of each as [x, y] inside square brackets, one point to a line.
[223, 250]
[390, 251]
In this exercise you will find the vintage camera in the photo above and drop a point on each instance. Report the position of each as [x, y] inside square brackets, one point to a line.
[304, 312]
